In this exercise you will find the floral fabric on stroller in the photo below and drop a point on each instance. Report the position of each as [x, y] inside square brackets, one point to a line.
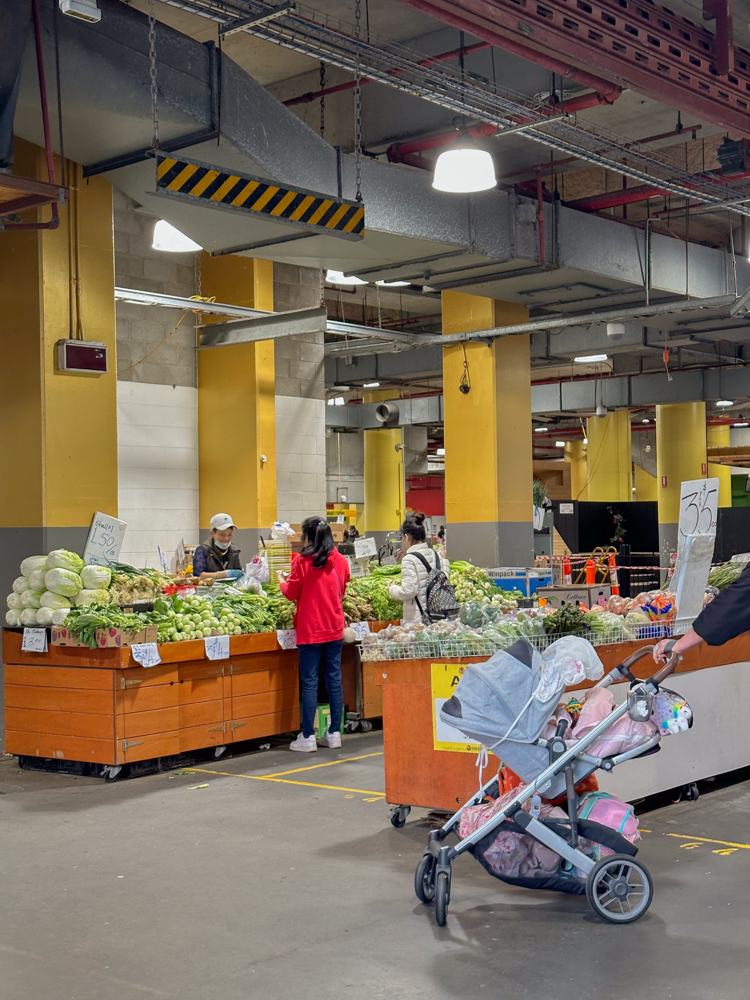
[510, 705]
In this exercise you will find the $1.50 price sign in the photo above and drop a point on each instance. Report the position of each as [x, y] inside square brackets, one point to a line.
[105, 540]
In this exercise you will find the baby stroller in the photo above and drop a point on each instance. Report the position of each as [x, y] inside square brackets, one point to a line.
[497, 703]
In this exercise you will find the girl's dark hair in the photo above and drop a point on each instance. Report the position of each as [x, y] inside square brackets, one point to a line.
[319, 540]
[414, 526]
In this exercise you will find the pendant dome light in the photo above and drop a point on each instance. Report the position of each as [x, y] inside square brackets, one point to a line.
[464, 168]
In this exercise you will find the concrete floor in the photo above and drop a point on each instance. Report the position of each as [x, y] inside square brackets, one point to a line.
[277, 890]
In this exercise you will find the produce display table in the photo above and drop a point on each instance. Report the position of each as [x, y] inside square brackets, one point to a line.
[715, 681]
[100, 706]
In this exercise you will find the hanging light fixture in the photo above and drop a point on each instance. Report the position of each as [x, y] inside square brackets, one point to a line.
[464, 168]
[171, 240]
[339, 278]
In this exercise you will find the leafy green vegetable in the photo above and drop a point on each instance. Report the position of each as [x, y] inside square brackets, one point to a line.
[63, 581]
[96, 577]
[64, 559]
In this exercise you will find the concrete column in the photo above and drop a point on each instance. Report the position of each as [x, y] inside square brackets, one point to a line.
[58, 446]
[384, 476]
[717, 436]
[236, 409]
[680, 455]
[575, 454]
[646, 486]
[609, 460]
[488, 450]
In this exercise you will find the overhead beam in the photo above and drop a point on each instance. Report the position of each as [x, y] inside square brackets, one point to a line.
[269, 327]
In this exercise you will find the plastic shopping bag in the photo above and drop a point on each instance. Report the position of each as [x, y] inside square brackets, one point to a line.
[258, 569]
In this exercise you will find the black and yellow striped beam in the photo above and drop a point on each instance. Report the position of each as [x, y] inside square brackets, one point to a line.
[216, 187]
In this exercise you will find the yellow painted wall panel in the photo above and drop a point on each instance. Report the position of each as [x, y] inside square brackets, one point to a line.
[680, 452]
[609, 458]
[646, 486]
[717, 436]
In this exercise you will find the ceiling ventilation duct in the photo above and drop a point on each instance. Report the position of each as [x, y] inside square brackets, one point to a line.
[387, 414]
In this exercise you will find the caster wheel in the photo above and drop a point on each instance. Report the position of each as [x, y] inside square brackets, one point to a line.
[366, 726]
[619, 889]
[442, 898]
[112, 772]
[691, 793]
[398, 815]
[424, 879]
[219, 752]
[350, 725]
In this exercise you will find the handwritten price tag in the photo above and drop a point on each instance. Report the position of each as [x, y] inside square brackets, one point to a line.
[287, 638]
[217, 647]
[360, 629]
[34, 640]
[146, 653]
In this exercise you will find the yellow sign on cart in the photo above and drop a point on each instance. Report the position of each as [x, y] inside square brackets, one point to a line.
[445, 677]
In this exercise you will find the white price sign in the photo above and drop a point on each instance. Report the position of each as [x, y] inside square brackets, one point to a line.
[146, 653]
[287, 638]
[360, 629]
[104, 541]
[217, 647]
[34, 640]
[365, 547]
[163, 559]
[699, 501]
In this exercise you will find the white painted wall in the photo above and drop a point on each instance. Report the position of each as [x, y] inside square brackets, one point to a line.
[157, 433]
[300, 458]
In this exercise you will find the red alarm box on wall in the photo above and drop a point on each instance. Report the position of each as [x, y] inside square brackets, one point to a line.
[81, 357]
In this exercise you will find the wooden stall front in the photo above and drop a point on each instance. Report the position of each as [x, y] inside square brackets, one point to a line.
[715, 680]
[100, 706]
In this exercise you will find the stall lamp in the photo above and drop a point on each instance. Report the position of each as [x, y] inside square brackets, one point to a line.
[171, 240]
[590, 359]
[440, 451]
[393, 284]
[585, 440]
[742, 423]
[559, 444]
[339, 278]
[645, 420]
[337, 401]
[540, 430]
[371, 385]
[464, 170]
[724, 402]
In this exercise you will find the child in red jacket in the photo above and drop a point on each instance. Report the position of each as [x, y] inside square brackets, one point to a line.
[317, 583]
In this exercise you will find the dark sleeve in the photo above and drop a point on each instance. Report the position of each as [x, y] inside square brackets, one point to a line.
[199, 561]
[728, 615]
[234, 560]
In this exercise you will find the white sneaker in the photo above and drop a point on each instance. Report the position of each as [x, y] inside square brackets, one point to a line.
[305, 744]
[331, 740]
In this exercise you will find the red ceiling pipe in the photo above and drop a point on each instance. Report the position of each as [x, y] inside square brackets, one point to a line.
[604, 87]
[597, 202]
[351, 84]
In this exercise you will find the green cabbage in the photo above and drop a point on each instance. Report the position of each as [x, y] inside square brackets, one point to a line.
[14, 601]
[59, 615]
[44, 616]
[31, 598]
[54, 601]
[20, 584]
[13, 618]
[91, 597]
[36, 580]
[63, 581]
[31, 563]
[96, 577]
[28, 617]
[63, 559]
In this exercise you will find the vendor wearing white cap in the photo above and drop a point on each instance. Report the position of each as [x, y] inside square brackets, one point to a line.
[216, 559]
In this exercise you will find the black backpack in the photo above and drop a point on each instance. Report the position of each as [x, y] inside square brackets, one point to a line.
[440, 598]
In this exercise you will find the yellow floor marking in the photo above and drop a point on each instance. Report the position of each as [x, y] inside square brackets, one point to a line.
[708, 840]
[328, 763]
[286, 781]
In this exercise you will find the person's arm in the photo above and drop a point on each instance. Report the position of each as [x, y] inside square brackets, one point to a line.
[684, 643]
[291, 588]
[199, 561]
[409, 582]
[728, 615]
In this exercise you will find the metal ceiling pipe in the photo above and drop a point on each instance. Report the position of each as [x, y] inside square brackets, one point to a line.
[628, 196]
[351, 84]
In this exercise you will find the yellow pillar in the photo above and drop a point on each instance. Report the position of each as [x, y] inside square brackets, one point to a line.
[680, 456]
[717, 436]
[58, 446]
[609, 458]
[383, 474]
[646, 486]
[236, 408]
[488, 450]
[575, 453]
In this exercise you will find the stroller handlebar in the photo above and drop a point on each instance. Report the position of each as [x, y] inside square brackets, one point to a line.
[661, 674]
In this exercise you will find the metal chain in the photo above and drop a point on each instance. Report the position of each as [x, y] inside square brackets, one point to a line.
[358, 99]
[322, 100]
[152, 74]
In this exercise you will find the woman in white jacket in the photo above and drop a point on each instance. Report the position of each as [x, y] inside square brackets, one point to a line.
[414, 574]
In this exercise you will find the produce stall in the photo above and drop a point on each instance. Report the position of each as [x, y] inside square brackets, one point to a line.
[421, 769]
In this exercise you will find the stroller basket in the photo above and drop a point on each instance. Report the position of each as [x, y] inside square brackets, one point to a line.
[520, 839]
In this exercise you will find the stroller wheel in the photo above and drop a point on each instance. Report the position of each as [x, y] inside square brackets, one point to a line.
[442, 898]
[619, 889]
[424, 879]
